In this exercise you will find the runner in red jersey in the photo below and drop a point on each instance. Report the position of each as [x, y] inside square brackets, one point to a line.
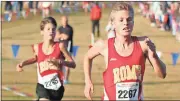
[49, 62]
[125, 57]
[124, 74]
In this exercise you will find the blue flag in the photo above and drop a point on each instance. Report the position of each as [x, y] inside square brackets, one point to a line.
[15, 49]
[174, 58]
[75, 49]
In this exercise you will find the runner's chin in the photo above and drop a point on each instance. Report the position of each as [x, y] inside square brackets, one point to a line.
[126, 33]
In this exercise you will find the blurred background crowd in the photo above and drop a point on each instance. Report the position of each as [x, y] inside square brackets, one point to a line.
[163, 15]
[23, 8]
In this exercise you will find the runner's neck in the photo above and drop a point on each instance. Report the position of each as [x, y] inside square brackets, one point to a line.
[123, 41]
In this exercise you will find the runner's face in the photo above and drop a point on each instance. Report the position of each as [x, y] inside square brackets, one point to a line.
[123, 22]
[49, 31]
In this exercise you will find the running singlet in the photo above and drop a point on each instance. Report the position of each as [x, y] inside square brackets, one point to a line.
[48, 75]
[124, 74]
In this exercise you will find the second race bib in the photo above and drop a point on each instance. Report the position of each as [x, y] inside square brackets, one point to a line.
[51, 81]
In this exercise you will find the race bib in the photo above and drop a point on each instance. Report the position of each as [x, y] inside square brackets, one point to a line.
[51, 81]
[127, 91]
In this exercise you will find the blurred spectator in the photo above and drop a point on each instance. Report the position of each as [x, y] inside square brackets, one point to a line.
[21, 10]
[151, 14]
[141, 7]
[64, 4]
[110, 30]
[145, 9]
[95, 18]
[165, 15]
[66, 34]
[177, 20]
[15, 6]
[33, 5]
[158, 14]
[65, 7]
[46, 6]
[8, 10]
[86, 6]
[164, 7]
[8, 6]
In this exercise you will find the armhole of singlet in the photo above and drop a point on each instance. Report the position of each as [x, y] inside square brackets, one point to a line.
[32, 46]
[58, 47]
[109, 49]
[108, 52]
[35, 51]
[138, 45]
[39, 48]
[38, 52]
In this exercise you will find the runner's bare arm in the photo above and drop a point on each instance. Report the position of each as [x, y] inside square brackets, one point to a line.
[61, 36]
[65, 36]
[33, 59]
[28, 61]
[94, 51]
[70, 62]
[158, 65]
[97, 49]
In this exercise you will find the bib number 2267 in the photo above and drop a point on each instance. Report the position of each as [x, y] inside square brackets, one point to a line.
[127, 91]
[127, 94]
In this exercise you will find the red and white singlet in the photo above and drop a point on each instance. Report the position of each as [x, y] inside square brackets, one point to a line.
[48, 75]
[124, 74]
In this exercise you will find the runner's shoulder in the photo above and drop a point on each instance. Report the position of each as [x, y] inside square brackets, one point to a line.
[141, 38]
[101, 43]
[35, 48]
[142, 42]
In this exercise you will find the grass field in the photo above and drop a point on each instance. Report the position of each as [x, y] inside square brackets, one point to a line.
[26, 32]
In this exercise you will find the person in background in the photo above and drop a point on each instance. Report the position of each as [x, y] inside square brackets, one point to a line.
[33, 5]
[177, 20]
[21, 9]
[164, 7]
[8, 10]
[110, 30]
[86, 6]
[65, 32]
[46, 6]
[95, 18]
